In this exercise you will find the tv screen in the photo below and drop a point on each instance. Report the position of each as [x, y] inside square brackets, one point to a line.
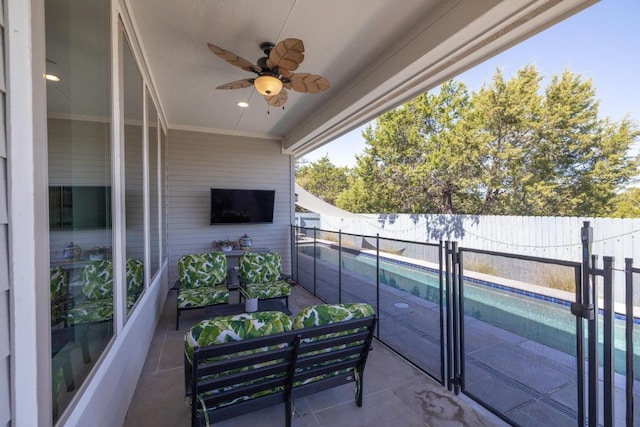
[232, 206]
[79, 207]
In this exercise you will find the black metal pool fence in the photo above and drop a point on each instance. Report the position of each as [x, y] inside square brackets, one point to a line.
[529, 338]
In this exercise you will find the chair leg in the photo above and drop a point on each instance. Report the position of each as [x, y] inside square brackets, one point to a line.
[84, 346]
[359, 386]
[67, 373]
[288, 413]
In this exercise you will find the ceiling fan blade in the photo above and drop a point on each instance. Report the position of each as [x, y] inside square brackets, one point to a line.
[305, 82]
[287, 55]
[277, 100]
[238, 84]
[234, 59]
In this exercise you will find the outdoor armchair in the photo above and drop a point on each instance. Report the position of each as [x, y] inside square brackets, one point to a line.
[59, 287]
[97, 289]
[260, 274]
[201, 281]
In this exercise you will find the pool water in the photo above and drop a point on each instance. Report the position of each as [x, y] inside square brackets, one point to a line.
[542, 321]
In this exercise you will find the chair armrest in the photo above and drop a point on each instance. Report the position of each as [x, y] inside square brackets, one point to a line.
[65, 302]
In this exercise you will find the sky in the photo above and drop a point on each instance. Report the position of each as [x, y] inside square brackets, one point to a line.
[601, 43]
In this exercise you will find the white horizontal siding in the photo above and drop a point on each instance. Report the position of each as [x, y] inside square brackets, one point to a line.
[5, 382]
[79, 154]
[198, 162]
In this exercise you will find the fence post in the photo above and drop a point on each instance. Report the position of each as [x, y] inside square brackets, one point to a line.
[586, 307]
[340, 266]
[450, 315]
[608, 347]
[456, 318]
[315, 254]
[442, 311]
[594, 357]
[297, 259]
[294, 250]
[378, 280]
[458, 255]
[628, 273]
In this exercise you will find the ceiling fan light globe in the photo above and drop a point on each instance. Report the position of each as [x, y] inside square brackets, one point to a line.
[268, 85]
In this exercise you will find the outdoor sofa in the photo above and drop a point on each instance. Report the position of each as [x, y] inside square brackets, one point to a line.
[241, 363]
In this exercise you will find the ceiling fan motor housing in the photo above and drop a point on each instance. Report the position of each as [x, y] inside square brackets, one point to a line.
[266, 47]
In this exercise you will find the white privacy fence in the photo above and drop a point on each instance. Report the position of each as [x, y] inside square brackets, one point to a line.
[545, 237]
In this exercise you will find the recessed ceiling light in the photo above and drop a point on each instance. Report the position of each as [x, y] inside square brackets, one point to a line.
[243, 104]
[52, 77]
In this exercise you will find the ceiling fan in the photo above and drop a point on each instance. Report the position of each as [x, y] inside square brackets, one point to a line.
[274, 71]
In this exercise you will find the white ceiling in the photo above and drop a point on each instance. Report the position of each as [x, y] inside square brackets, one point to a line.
[375, 53]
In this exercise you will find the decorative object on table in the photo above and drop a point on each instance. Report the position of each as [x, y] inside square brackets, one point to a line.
[71, 252]
[245, 242]
[225, 245]
[250, 296]
[97, 253]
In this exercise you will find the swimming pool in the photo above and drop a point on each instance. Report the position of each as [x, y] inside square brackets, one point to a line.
[537, 319]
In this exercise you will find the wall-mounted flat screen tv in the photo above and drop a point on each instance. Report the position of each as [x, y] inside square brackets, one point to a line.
[235, 206]
[79, 207]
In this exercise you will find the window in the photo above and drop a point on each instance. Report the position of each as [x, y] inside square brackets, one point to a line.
[134, 183]
[79, 167]
[154, 214]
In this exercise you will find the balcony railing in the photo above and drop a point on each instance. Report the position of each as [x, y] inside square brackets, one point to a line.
[529, 338]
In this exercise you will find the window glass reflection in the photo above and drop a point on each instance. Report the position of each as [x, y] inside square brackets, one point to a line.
[163, 192]
[154, 219]
[134, 184]
[79, 168]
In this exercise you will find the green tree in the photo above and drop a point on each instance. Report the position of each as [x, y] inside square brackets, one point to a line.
[417, 158]
[512, 148]
[357, 198]
[505, 121]
[322, 178]
[627, 204]
[588, 157]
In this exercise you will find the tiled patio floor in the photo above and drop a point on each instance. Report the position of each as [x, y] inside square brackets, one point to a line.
[395, 392]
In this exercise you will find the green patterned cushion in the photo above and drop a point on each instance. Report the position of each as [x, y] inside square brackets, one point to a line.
[234, 328]
[59, 290]
[202, 297]
[135, 276]
[58, 282]
[198, 270]
[269, 290]
[97, 280]
[325, 314]
[95, 311]
[92, 311]
[259, 268]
